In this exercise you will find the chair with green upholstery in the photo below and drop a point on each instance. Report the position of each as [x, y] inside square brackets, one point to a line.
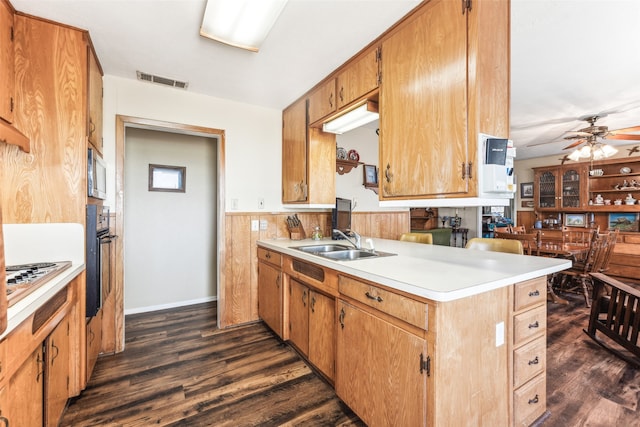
[426, 238]
[496, 245]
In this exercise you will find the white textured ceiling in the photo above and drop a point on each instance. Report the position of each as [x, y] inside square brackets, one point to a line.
[570, 58]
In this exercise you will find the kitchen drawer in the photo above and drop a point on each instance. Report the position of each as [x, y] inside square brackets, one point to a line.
[529, 361]
[401, 307]
[530, 292]
[528, 324]
[530, 401]
[269, 256]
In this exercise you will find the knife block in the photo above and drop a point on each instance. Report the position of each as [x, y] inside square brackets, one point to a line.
[297, 232]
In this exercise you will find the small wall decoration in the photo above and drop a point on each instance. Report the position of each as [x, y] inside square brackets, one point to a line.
[575, 220]
[526, 190]
[370, 175]
[623, 221]
[167, 178]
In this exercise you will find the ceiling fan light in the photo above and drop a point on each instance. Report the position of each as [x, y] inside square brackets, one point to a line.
[608, 150]
[240, 23]
[575, 156]
[585, 151]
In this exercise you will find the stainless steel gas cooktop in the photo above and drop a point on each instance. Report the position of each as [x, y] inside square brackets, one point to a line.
[25, 278]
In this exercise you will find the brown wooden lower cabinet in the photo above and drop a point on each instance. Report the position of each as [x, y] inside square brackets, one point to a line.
[401, 359]
[21, 402]
[57, 359]
[379, 374]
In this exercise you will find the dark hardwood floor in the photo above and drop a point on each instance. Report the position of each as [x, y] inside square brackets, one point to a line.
[177, 369]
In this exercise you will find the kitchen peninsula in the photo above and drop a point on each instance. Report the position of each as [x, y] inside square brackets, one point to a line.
[430, 336]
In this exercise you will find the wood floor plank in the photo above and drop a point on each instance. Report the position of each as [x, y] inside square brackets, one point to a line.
[179, 370]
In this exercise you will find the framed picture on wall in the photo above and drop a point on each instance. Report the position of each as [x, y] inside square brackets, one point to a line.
[370, 175]
[526, 190]
[167, 178]
[575, 220]
[623, 221]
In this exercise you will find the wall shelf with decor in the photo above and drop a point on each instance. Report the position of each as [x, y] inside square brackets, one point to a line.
[615, 184]
[345, 166]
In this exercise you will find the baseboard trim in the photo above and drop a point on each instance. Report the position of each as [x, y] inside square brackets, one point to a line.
[170, 305]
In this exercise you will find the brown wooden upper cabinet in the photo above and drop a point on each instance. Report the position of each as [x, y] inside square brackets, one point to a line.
[423, 102]
[561, 187]
[308, 160]
[322, 101]
[7, 75]
[359, 77]
[94, 125]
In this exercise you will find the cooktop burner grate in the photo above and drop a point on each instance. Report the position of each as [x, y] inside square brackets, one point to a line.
[33, 266]
[22, 279]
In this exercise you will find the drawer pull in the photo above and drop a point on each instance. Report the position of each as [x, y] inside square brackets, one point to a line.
[534, 293]
[341, 317]
[534, 361]
[534, 325]
[534, 400]
[376, 298]
[268, 255]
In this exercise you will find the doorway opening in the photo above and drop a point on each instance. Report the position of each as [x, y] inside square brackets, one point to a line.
[216, 137]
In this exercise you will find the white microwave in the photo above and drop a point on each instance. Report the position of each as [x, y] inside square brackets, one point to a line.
[96, 176]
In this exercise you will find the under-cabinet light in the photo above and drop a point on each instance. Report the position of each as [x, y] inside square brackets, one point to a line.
[357, 117]
[240, 23]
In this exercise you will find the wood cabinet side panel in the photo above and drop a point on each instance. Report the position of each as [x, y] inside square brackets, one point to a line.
[465, 352]
[321, 167]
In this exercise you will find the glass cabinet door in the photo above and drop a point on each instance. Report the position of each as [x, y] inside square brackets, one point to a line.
[571, 189]
[547, 196]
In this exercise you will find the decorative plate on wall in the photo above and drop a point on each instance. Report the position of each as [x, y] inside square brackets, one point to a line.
[341, 153]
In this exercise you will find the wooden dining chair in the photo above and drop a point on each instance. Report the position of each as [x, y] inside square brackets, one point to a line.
[505, 229]
[426, 238]
[495, 245]
[579, 273]
[615, 313]
[530, 241]
[518, 229]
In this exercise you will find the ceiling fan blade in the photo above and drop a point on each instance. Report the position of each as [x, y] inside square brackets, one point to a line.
[576, 134]
[631, 129]
[574, 144]
[624, 137]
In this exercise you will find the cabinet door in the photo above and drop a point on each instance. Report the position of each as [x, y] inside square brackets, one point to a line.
[7, 74]
[94, 127]
[546, 189]
[322, 101]
[57, 373]
[270, 296]
[378, 363]
[294, 153]
[359, 78]
[423, 96]
[322, 333]
[299, 315]
[21, 401]
[573, 183]
[94, 342]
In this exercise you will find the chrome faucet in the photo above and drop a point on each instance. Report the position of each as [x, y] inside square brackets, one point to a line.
[356, 236]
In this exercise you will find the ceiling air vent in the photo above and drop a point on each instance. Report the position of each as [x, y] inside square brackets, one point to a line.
[161, 80]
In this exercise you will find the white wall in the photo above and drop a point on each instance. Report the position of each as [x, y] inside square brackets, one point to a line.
[170, 246]
[253, 135]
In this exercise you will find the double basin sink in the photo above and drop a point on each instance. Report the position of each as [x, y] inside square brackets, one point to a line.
[340, 252]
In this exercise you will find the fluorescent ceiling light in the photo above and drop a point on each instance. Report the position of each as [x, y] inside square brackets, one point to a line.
[240, 23]
[357, 117]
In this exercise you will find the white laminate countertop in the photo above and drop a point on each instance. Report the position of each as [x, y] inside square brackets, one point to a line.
[439, 273]
[28, 243]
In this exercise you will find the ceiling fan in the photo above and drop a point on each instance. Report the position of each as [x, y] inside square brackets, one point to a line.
[592, 137]
[592, 132]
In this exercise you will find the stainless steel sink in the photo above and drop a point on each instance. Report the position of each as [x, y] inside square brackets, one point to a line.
[340, 252]
[321, 248]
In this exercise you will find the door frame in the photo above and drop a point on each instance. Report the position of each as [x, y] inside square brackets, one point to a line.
[122, 122]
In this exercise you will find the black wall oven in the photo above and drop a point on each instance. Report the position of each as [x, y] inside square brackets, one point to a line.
[98, 264]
